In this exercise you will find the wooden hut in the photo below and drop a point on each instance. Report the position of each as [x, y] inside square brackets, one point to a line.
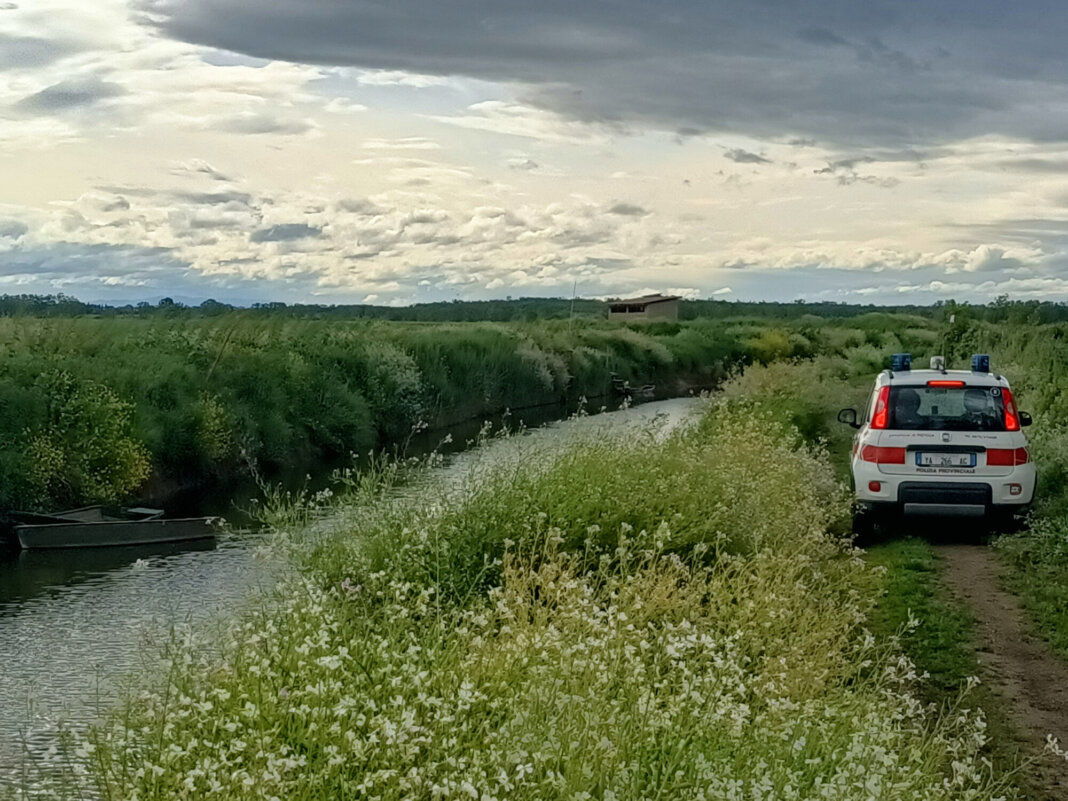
[648, 307]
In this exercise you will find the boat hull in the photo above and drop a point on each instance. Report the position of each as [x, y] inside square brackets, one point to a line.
[113, 532]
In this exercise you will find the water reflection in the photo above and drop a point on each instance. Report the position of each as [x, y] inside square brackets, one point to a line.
[25, 574]
[70, 629]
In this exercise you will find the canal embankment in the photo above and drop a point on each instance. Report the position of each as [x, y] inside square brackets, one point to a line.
[639, 613]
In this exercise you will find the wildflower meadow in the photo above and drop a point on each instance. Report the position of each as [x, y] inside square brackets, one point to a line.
[660, 614]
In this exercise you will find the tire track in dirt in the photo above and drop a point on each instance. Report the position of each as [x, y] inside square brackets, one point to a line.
[1015, 660]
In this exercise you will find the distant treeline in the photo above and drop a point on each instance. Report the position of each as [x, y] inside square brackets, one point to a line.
[526, 309]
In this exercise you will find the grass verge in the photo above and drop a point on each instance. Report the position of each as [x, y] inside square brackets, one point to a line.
[1037, 571]
[938, 635]
[1036, 558]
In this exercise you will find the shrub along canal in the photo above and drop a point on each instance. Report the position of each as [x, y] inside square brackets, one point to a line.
[73, 624]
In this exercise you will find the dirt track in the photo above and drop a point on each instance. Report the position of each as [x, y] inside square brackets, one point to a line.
[1016, 661]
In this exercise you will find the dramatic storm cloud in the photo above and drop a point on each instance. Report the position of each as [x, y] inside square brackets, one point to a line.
[404, 151]
[875, 72]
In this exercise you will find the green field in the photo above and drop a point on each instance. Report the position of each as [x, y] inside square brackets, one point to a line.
[664, 615]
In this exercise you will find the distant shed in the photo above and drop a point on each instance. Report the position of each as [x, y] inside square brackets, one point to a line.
[649, 307]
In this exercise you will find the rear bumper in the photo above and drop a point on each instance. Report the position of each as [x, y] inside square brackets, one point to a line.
[942, 510]
[1014, 490]
[966, 496]
[919, 497]
[944, 498]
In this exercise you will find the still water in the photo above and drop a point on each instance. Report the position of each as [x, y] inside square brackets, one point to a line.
[73, 623]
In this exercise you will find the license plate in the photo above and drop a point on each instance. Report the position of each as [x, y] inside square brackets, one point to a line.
[925, 459]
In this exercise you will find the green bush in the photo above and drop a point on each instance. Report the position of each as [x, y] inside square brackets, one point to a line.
[198, 398]
[84, 451]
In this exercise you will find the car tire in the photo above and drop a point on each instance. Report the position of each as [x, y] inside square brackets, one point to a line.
[1007, 521]
[867, 522]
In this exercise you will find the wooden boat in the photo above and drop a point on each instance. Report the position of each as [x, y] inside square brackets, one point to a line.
[91, 527]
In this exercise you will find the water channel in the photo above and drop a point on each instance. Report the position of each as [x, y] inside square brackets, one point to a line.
[73, 623]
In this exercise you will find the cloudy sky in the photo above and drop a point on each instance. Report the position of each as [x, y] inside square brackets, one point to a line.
[396, 151]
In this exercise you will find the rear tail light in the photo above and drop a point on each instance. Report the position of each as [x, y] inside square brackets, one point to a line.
[881, 416]
[878, 455]
[1007, 457]
[942, 384]
[1015, 489]
[875, 486]
[1012, 417]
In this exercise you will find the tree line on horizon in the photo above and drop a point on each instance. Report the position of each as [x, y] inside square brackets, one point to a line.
[1001, 309]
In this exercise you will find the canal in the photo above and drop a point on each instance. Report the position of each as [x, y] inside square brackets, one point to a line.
[73, 624]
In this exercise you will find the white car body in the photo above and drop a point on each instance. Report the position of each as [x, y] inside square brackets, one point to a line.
[931, 464]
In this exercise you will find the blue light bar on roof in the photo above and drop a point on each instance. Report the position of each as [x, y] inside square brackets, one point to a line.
[980, 363]
[900, 362]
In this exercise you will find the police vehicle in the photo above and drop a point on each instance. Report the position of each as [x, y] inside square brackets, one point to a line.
[941, 442]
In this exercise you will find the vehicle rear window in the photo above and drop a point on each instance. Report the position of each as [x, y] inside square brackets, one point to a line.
[923, 408]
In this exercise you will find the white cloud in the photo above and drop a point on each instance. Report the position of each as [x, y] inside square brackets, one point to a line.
[400, 78]
[517, 119]
[505, 181]
[341, 105]
[404, 143]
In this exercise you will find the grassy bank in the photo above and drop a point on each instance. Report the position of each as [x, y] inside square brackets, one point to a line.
[1036, 358]
[938, 635]
[911, 608]
[1032, 353]
[641, 615]
[101, 410]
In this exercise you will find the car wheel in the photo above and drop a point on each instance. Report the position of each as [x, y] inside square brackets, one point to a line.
[867, 522]
[1006, 521]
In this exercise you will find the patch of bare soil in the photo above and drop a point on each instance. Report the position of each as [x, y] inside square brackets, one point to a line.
[1016, 661]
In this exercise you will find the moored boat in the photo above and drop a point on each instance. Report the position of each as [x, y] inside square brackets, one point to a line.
[623, 387]
[92, 527]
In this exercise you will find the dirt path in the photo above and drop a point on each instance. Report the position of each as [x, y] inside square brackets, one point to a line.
[1017, 662]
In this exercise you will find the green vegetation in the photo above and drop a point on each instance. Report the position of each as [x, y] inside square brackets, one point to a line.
[105, 405]
[97, 404]
[662, 614]
[529, 309]
[1037, 359]
[938, 635]
[1033, 353]
[94, 407]
[670, 615]
[1038, 558]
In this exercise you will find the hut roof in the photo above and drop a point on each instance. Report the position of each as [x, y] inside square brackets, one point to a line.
[645, 300]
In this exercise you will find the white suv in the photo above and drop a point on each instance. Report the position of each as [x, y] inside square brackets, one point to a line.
[941, 442]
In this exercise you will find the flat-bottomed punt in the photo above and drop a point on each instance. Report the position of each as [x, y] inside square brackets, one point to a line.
[91, 527]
